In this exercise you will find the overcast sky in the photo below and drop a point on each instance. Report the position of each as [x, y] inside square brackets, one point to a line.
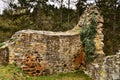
[1, 6]
[4, 5]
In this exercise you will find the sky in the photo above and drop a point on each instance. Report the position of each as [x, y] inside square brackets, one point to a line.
[71, 5]
[3, 5]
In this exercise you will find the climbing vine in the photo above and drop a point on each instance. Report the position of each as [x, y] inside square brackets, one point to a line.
[87, 37]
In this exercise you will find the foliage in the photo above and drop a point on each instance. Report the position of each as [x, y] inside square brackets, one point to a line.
[80, 7]
[87, 37]
[44, 17]
[110, 8]
[11, 72]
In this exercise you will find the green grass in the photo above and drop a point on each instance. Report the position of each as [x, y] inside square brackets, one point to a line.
[10, 72]
[2, 44]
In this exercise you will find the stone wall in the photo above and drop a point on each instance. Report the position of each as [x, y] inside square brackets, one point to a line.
[45, 52]
[4, 55]
[86, 19]
[108, 69]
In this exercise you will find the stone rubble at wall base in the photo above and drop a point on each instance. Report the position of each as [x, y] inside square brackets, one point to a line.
[108, 69]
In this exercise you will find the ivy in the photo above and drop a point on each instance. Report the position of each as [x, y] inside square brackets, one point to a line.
[87, 37]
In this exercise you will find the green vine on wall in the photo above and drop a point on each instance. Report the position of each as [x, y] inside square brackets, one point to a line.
[87, 37]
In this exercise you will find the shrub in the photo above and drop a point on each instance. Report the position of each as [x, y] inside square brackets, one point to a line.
[87, 37]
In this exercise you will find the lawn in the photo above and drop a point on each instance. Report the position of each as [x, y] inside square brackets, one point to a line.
[10, 72]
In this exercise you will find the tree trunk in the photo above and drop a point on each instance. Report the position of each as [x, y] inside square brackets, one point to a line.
[68, 12]
[78, 12]
[114, 27]
[61, 13]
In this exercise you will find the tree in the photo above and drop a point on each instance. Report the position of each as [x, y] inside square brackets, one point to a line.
[35, 14]
[61, 12]
[80, 7]
[110, 9]
[68, 12]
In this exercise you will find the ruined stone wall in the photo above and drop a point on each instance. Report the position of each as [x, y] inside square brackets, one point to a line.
[44, 52]
[86, 19]
[4, 55]
[108, 69]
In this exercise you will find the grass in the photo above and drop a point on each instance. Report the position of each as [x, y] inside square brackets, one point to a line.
[2, 44]
[10, 72]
